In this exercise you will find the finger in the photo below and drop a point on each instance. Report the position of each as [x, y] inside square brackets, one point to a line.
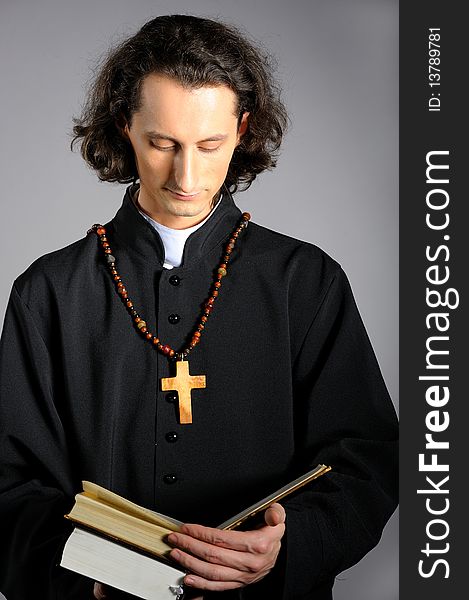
[242, 561]
[255, 541]
[275, 515]
[99, 591]
[208, 571]
[234, 540]
[214, 586]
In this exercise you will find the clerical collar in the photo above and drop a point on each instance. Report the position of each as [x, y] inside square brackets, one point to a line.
[131, 232]
[174, 240]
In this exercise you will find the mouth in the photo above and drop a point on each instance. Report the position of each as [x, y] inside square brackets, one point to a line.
[182, 196]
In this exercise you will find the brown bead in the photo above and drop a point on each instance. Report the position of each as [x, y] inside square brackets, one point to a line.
[141, 324]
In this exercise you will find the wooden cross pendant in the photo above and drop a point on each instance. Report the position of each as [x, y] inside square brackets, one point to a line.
[183, 383]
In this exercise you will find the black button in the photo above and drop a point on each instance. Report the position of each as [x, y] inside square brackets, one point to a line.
[174, 280]
[170, 478]
[171, 437]
[173, 319]
[171, 396]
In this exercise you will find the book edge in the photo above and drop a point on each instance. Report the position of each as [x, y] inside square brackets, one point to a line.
[282, 492]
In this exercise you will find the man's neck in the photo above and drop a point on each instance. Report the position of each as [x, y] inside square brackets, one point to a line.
[173, 239]
[175, 224]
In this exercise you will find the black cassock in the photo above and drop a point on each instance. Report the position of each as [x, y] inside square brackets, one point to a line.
[292, 381]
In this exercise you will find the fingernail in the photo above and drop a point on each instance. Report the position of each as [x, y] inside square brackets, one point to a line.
[172, 538]
[189, 580]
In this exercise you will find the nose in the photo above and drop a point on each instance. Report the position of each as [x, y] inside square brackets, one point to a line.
[185, 173]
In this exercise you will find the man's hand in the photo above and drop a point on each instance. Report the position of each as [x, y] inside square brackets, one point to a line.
[224, 560]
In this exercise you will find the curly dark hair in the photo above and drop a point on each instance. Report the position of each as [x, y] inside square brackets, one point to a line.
[195, 52]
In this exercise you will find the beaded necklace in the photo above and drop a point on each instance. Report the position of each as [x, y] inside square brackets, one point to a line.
[183, 382]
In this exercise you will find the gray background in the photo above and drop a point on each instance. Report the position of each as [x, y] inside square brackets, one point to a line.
[336, 183]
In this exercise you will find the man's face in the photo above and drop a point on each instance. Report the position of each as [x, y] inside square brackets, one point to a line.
[183, 142]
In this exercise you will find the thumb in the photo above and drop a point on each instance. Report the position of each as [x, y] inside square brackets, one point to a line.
[274, 515]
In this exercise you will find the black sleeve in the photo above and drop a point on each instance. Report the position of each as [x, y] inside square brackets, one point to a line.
[345, 419]
[36, 489]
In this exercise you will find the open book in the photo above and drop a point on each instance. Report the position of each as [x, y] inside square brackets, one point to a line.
[107, 513]
[116, 541]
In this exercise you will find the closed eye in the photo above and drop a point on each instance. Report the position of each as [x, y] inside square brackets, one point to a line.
[210, 149]
[163, 148]
[170, 148]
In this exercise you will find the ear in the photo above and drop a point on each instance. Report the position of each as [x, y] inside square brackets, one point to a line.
[123, 127]
[243, 126]
[126, 131]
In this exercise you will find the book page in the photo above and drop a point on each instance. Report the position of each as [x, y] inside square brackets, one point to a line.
[99, 493]
[121, 567]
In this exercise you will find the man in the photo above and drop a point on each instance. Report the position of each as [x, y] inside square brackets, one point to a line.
[285, 376]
